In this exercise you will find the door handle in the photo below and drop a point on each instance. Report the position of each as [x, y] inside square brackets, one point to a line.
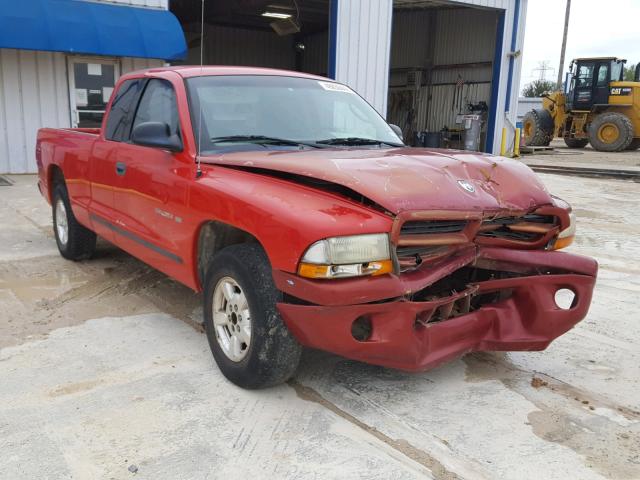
[121, 168]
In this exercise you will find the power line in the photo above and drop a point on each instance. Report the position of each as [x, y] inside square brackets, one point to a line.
[543, 68]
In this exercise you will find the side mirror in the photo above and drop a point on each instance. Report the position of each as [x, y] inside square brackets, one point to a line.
[397, 130]
[156, 134]
[637, 75]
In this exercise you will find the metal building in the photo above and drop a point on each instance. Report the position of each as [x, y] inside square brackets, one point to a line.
[60, 59]
[419, 62]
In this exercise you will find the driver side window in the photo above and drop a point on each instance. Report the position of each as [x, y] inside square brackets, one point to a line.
[158, 104]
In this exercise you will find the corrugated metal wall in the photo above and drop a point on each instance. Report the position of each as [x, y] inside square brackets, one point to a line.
[465, 35]
[241, 46]
[363, 34]
[363, 42]
[316, 54]
[445, 46]
[446, 103]
[226, 45]
[34, 93]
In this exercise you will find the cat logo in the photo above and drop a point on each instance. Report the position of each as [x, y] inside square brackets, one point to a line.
[620, 90]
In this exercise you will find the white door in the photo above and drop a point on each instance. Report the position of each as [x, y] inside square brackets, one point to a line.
[91, 82]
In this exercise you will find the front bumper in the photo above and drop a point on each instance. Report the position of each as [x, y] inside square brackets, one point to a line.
[528, 319]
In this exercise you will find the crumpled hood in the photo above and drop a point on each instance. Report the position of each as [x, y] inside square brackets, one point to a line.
[402, 179]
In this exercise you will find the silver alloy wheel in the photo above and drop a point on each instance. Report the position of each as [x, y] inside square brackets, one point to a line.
[62, 222]
[231, 319]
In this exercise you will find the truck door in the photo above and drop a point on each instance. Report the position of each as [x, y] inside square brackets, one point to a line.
[583, 88]
[601, 84]
[152, 199]
[106, 174]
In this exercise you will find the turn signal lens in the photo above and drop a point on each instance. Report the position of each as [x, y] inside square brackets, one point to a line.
[309, 270]
[563, 242]
[565, 237]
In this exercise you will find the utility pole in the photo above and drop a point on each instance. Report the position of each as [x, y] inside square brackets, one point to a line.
[564, 44]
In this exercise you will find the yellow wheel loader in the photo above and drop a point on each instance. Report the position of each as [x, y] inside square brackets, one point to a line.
[596, 107]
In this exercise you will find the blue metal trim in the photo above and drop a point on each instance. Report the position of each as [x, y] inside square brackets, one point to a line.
[514, 38]
[91, 28]
[495, 83]
[333, 38]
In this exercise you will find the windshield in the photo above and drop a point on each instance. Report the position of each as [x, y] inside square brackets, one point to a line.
[239, 111]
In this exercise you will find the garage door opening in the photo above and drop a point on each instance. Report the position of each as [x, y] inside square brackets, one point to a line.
[286, 34]
[441, 72]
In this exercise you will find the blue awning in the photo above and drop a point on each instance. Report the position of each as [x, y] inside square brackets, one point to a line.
[78, 26]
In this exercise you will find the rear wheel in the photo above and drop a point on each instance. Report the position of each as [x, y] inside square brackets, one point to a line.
[634, 145]
[611, 132]
[75, 242]
[576, 142]
[247, 336]
[538, 128]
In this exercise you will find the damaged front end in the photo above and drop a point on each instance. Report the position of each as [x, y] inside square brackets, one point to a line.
[462, 282]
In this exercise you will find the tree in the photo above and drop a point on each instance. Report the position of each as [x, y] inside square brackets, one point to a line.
[630, 73]
[537, 88]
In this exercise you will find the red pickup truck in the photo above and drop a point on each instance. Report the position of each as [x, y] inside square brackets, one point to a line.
[305, 221]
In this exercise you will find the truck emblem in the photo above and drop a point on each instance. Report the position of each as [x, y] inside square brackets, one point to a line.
[467, 186]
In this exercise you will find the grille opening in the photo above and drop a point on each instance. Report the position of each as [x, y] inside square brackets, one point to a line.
[459, 281]
[504, 232]
[517, 228]
[429, 227]
[491, 297]
[412, 257]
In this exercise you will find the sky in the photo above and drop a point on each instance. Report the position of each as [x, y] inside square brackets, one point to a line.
[596, 28]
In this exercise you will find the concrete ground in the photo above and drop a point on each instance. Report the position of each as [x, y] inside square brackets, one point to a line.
[104, 373]
[586, 157]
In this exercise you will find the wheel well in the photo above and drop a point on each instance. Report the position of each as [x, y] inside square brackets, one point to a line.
[213, 237]
[54, 176]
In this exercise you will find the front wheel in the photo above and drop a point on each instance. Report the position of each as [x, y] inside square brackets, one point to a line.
[75, 242]
[538, 128]
[249, 341]
[611, 132]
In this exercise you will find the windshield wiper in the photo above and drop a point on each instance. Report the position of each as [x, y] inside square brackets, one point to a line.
[357, 141]
[264, 140]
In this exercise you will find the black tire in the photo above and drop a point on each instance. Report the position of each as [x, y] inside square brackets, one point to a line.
[538, 128]
[576, 142]
[615, 121]
[273, 354]
[634, 145]
[80, 242]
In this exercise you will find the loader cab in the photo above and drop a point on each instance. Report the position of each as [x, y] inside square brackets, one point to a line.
[588, 80]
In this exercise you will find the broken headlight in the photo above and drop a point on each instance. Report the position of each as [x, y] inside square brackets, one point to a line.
[566, 236]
